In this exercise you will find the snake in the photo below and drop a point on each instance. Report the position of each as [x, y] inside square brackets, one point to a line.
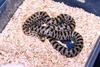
[54, 29]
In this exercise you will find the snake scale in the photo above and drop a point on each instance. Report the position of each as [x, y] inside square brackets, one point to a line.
[54, 29]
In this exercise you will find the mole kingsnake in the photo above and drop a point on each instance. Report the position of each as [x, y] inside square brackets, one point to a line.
[54, 29]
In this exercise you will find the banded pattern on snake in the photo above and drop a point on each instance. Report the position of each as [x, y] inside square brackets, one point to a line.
[76, 39]
[54, 29]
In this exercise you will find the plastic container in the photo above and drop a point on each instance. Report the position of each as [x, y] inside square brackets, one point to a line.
[91, 6]
[94, 54]
[7, 9]
[3, 4]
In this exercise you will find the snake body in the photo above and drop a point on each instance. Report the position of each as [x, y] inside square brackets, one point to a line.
[69, 52]
[54, 29]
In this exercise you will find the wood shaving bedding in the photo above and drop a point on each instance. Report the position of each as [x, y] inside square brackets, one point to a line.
[15, 47]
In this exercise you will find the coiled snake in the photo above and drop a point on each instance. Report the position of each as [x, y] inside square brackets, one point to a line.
[55, 29]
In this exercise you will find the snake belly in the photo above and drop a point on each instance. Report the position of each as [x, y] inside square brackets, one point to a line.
[58, 28]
